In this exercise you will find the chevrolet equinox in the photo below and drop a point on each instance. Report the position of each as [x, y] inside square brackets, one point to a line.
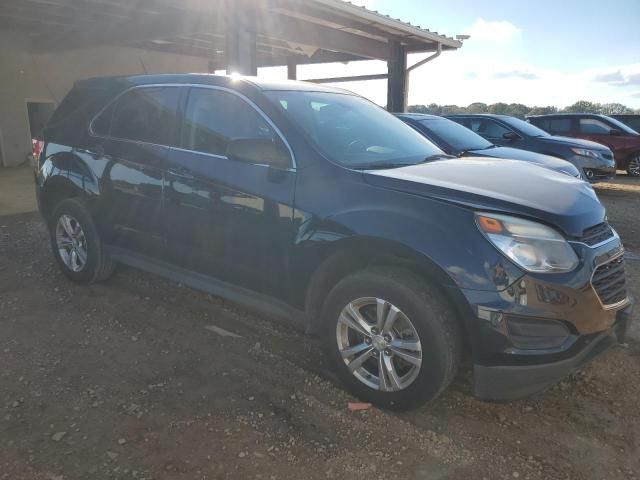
[315, 204]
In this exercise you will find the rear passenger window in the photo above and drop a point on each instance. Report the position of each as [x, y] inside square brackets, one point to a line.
[213, 117]
[146, 115]
[593, 126]
[559, 125]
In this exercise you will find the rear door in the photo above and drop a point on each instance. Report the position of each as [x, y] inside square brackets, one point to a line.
[132, 138]
[227, 219]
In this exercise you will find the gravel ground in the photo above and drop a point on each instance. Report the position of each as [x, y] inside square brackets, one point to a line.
[124, 380]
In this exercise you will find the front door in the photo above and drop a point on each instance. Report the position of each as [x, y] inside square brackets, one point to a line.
[225, 218]
[130, 143]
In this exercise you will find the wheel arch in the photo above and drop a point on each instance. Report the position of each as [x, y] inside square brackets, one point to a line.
[69, 177]
[350, 255]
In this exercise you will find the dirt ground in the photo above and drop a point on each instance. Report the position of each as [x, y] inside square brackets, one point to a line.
[125, 381]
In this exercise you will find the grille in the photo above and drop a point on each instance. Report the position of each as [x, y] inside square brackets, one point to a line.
[609, 282]
[596, 234]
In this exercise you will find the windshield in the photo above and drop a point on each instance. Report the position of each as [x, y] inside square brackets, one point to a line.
[525, 128]
[455, 135]
[352, 131]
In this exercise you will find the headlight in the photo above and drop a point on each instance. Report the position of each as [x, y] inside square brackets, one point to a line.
[585, 153]
[530, 245]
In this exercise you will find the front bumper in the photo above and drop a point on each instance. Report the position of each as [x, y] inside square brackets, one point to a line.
[594, 169]
[542, 327]
[510, 382]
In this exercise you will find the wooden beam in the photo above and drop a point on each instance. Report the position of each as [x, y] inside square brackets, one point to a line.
[292, 68]
[268, 24]
[124, 33]
[313, 35]
[355, 78]
[397, 83]
[240, 38]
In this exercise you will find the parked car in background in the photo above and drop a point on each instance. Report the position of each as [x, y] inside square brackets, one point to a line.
[629, 119]
[316, 204]
[594, 160]
[458, 141]
[620, 138]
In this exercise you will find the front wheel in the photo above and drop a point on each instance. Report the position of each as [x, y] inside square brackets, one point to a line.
[392, 337]
[76, 244]
[633, 168]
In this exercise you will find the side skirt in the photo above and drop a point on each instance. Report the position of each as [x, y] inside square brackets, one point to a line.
[249, 299]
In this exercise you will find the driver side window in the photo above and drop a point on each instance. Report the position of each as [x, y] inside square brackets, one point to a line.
[593, 127]
[490, 129]
[214, 117]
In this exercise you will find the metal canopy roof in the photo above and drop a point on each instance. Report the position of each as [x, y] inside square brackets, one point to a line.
[302, 31]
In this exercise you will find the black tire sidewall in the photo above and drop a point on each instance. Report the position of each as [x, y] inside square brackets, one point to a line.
[77, 210]
[427, 313]
[629, 169]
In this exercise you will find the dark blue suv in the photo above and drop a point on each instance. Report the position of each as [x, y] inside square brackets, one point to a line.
[594, 160]
[315, 204]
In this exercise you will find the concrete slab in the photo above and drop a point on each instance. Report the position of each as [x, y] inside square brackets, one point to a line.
[17, 193]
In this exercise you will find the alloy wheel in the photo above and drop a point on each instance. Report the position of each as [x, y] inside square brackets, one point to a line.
[634, 167]
[71, 243]
[379, 344]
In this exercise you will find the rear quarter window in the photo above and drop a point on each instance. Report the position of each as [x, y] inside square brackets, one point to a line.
[70, 121]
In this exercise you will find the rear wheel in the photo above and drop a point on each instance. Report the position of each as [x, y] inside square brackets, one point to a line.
[76, 244]
[391, 337]
[633, 168]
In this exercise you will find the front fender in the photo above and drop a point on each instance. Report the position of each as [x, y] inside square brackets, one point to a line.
[444, 235]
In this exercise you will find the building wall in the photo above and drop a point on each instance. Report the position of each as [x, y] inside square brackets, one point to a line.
[28, 76]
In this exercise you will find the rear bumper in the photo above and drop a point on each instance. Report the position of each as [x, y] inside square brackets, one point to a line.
[510, 382]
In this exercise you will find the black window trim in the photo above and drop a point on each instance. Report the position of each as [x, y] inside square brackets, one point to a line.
[292, 167]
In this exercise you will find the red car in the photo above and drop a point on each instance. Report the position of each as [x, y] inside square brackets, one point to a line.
[620, 138]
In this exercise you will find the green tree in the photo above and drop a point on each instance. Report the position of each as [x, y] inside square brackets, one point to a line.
[417, 109]
[477, 107]
[517, 110]
[498, 108]
[452, 109]
[614, 109]
[542, 110]
[583, 106]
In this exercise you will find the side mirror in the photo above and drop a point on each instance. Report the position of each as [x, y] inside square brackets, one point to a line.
[615, 132]
[510, 136]
[259, 151]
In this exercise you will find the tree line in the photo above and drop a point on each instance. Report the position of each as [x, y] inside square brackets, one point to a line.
[521, 111]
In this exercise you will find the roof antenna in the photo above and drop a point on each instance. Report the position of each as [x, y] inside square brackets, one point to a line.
[142, 63]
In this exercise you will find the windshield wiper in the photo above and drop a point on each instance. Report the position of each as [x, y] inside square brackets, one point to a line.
[385, 165]
[437, 156]
[380, 165]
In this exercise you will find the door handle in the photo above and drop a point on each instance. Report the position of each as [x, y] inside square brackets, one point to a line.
[181, 172]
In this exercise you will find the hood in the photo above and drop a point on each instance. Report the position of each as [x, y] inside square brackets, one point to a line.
[506, 186]
[543, 160]
[573, 142]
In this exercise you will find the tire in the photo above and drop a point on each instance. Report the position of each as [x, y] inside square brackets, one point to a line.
[434, 325]
[633, 167]
[96, 265]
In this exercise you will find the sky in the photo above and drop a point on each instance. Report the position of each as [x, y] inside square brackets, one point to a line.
[542, 52]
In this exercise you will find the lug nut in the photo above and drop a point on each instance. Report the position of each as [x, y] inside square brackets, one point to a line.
[387, 352]
[387, 338]
[374, 331]
[367, 340]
